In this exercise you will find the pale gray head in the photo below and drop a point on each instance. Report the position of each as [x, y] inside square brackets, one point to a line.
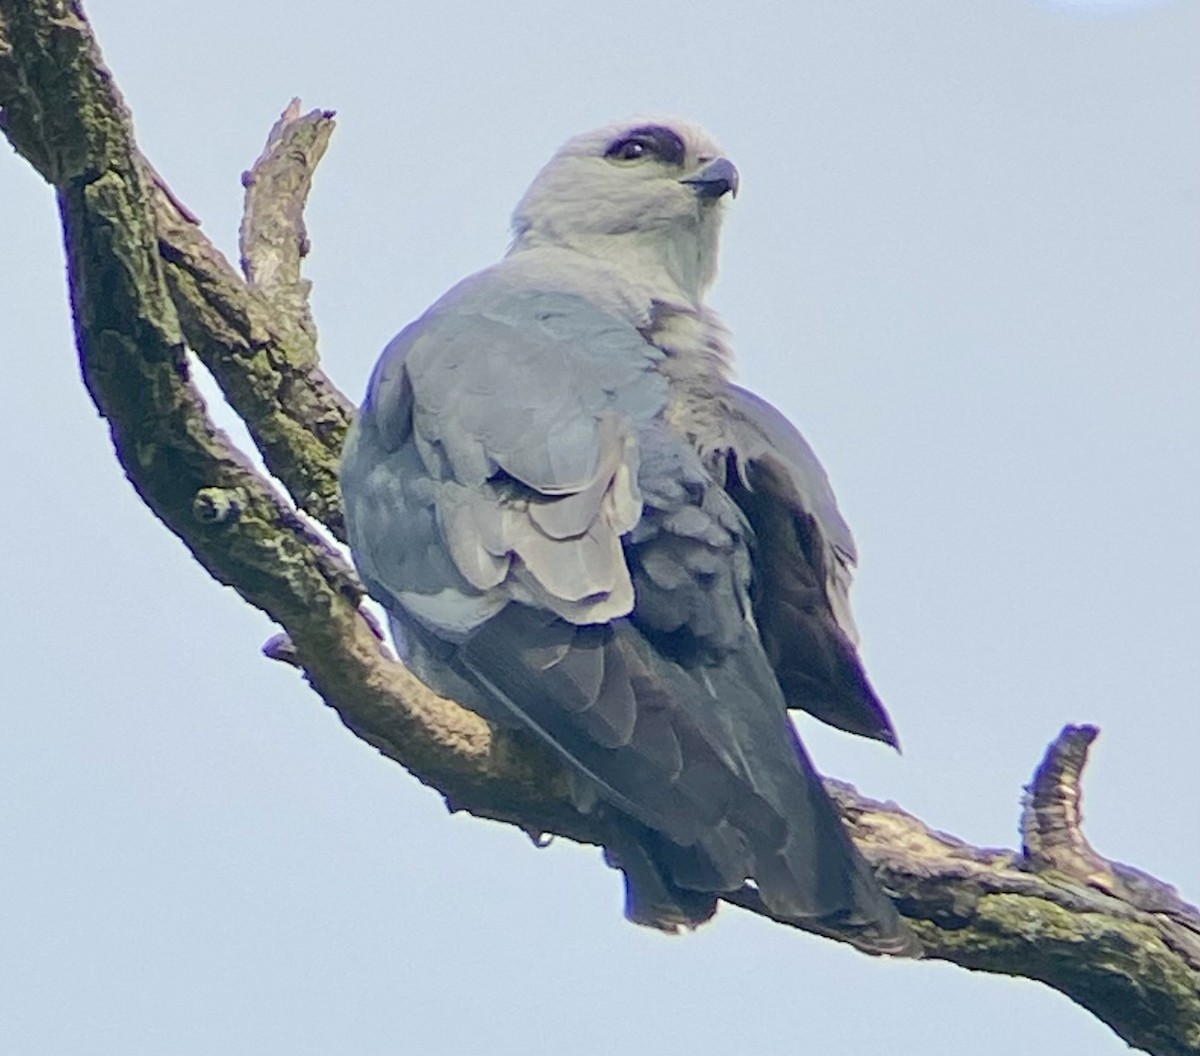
[646, 197]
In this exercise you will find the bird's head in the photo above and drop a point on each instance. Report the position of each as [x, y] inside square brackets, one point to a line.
[646, 197]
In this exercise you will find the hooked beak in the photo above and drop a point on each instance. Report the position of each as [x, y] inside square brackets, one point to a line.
[715, 179]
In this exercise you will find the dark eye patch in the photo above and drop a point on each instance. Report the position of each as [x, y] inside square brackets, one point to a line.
[652, 140]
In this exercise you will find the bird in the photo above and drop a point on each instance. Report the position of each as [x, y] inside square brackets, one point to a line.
[581, 527]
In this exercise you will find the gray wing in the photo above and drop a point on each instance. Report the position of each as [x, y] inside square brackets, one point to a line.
[806, 554]
[494, 459]
[510, 490]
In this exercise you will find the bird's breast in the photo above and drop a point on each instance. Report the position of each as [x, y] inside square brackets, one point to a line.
[696, 364]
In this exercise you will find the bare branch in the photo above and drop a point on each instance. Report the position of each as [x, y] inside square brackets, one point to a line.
[1053, 839]
[1051, 823]
[144, 280]
[273, 238]
[266, 366]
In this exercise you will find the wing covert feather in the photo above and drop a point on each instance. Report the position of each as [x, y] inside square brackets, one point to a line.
[523, 411]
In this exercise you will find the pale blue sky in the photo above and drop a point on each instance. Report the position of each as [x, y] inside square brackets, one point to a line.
[964, 261]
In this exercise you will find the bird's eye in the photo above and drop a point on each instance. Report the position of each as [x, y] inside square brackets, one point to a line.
[630, 149]
[651, 141]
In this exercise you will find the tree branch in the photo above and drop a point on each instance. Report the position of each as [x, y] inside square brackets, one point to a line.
[258, 341]
[147, 286]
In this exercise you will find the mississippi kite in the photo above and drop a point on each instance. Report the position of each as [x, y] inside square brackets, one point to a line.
[578, 525]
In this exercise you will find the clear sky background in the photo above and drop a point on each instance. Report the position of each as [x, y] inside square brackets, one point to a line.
[964, 261]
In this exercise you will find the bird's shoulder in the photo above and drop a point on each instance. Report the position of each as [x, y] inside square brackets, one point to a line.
[507, 371]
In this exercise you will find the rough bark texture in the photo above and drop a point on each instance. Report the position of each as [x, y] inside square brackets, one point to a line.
[147, 287]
